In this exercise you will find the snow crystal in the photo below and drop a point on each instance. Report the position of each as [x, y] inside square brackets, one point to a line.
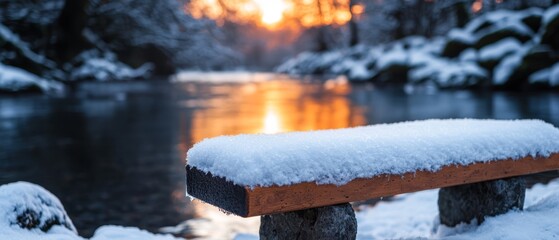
[339, 156]
[499, 49]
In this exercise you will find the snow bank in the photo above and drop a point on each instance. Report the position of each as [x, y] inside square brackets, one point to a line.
[339, 156]
[29, 212]
[127, 233]
[414, 215]
[104, 67]
[223, 77]
[14, 79]
[498, 50]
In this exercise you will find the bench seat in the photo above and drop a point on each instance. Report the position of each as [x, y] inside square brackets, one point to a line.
[251, 175]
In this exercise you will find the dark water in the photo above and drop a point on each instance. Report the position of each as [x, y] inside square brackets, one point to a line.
[114, 152]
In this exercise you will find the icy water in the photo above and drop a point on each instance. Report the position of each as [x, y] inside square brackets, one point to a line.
[114, 152]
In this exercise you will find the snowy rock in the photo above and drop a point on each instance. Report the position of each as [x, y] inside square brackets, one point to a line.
[505, 69]
[331, 222]
[498, 50]
[446, 73]
[106, 67]
[458, 40]
[30, 210]
[476, 201]
[542, 76]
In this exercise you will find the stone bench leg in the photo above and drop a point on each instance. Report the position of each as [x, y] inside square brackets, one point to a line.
[464, 203]
[331, 222]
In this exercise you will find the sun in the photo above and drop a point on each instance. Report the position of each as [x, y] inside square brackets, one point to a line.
[271, 10]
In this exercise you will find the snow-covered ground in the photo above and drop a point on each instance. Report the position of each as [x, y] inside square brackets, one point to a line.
[406, 216]
[414, 216]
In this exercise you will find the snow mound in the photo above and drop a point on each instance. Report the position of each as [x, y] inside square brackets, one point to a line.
[498, 50]
[29, 212]
[106, 67]
[14, 79]
[339, 156]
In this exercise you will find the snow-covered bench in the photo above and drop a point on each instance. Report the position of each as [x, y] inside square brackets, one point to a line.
[474, 162]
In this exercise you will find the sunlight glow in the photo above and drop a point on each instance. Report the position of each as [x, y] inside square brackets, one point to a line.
[271, 10]
[477, 6]
[271, 122]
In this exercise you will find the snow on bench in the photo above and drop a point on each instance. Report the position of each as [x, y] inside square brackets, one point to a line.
[260, 174]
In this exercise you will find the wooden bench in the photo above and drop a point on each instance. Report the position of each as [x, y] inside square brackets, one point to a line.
[468, 192]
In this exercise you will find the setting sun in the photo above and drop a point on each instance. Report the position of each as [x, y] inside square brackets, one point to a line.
[271, 10]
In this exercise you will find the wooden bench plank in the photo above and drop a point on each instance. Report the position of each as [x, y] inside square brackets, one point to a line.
[276, 199]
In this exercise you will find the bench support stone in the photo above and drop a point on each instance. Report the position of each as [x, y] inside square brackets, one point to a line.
[330, 222]
[464, 203]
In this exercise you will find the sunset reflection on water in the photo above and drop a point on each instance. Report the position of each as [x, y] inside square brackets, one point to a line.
[272, 106]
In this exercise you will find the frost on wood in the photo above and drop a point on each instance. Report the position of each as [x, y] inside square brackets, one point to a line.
[476, 201]
[339, 156]
[331, 222]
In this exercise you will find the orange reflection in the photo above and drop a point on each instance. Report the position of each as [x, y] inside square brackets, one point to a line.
[272, 107]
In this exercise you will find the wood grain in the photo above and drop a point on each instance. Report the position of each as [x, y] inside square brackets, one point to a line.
[276, 199]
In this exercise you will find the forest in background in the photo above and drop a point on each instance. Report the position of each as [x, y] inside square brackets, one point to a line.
[45, 43]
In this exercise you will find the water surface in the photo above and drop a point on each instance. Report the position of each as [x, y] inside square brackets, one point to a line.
[114, 152]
